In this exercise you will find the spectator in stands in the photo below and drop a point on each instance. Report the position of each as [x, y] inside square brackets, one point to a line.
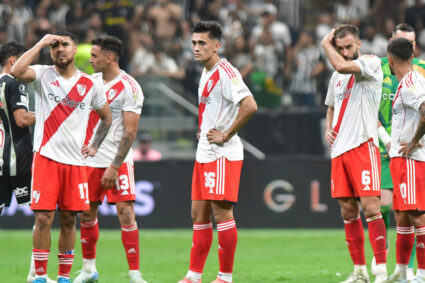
[347, 12]
[19, 22]
[308, 65]
[372, 42]
[238, 54]
[164, 66]
[58, 14]
[143, 57]
[144, 152]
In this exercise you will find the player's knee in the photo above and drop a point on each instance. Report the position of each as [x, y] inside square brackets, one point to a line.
[88, 216]
[126, 215]
[43, 220]
[371, 209]
[68, 221]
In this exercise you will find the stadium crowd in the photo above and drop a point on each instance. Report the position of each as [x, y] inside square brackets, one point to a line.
[275, 44]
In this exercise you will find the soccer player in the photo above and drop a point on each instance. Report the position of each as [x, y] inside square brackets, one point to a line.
[353, 99]
[389, 88]
[15, 134]
[111, 171]
[225, 106]
[407, 155]
[63, 100]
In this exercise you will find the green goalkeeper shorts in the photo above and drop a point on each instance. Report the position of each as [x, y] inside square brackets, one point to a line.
[386, 181]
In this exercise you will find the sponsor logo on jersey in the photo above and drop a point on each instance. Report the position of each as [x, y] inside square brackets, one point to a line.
[23, 89]
[390, 96]
[66, 101]
[20, 192]
[81, 89]
[55, 83]
[209, 85]
[36, 196]
[338, 84]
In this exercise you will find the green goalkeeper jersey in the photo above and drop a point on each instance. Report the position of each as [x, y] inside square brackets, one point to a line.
[389, 88]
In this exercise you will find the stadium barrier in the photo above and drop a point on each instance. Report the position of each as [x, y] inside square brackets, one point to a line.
[275, 193]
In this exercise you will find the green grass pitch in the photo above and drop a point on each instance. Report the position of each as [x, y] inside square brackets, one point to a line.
[262, 255]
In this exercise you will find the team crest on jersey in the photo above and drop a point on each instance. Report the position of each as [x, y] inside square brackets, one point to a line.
[209, 85]
[81, 89]
[112, 93]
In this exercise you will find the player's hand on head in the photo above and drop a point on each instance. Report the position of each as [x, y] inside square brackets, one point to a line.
[87, 151]
[109, 178]
[329, 38]
[330, 136]
[407, 148]
[215, 136]
[50, 39]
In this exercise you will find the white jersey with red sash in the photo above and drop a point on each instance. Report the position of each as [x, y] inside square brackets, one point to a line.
[409, 97]
[62, 111]
[355, 99]
[220, 91]
[124, 94]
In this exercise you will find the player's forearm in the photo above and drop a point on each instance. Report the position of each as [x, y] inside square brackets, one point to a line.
[27, 120]
[124, 147]
[22, 64]
[420, 131]
[340, 65]
[329, 118]
[246, 111]
[102, 131]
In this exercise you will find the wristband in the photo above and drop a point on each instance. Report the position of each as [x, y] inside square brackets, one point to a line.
[383, 135]
[115, 167]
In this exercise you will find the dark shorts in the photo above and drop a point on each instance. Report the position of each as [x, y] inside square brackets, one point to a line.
[21, 185]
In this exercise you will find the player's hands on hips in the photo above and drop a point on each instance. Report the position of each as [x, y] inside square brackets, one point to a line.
[328, 39]
[216, 137]
[109, 178]
[50, 39]
[409, 147]
[330, 136]
[87, 151]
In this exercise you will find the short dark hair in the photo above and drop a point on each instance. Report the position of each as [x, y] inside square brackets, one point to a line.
[400, 48]
[10, 49]
[403, 27]
[66, 33]
[212, 27]
[110, 43]
[343, 30]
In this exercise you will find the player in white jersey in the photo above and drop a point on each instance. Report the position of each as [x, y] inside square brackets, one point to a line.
[63, 100]
[225, 105]
[111, 171]
[407, 155]
[353, 99]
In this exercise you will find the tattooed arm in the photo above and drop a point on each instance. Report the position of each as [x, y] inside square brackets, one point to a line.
[105, 123]
[420, 131]
[130, 121]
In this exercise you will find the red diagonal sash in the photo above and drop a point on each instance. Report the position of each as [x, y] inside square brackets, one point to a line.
[209, 86]
[94, 117]
[63, 110]
[347, 94]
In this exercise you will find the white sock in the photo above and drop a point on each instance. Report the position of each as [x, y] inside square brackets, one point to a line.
[402, 269]
[225, 276]
[362, 268]
[193, 276]
[381, 268]
[420, 273]
[133, 272]
[89, 265]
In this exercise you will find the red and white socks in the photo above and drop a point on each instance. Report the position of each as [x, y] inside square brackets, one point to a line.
[41, 258]
[378, 238]
[420, 251]
[130, 240]
[89, 236]
[354, 236]
[65, 263]
[201, 244]
[227, 240]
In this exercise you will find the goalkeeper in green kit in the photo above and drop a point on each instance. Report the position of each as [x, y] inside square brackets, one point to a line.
[389, 89]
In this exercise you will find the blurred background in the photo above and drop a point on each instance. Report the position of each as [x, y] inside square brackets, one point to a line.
[276, 47]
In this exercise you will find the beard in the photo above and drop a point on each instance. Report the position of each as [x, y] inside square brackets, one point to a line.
[62, 64]
[351, 58]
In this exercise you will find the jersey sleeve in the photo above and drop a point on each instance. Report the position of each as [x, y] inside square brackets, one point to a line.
[369, 66]
[413, 96]
[235, 88]
[99, 98]
[329, 101]
[38, 69]
[17, 95]
[133, 102]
